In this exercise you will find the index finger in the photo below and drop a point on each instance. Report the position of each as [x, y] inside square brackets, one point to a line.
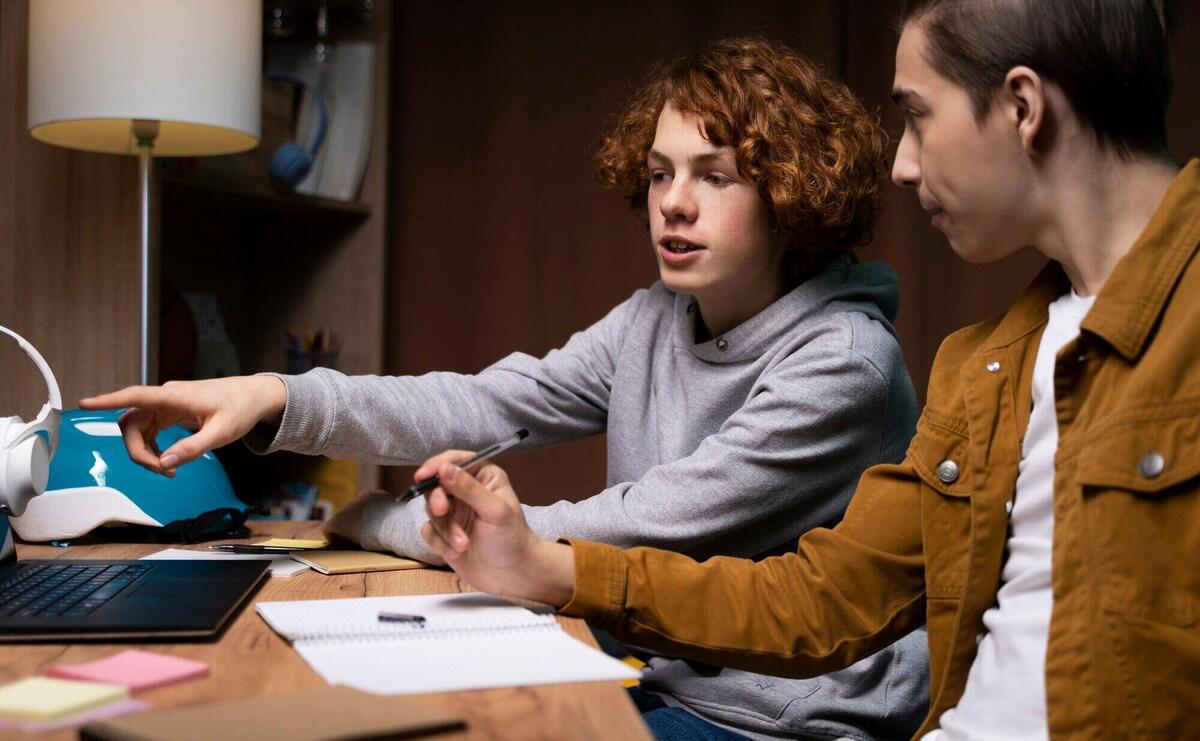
[151, 397]
[430, 467]
[135, 426]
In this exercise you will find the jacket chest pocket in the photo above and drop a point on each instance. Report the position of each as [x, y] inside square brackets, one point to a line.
[1141, 507]
[939, 455]
[1141, 487]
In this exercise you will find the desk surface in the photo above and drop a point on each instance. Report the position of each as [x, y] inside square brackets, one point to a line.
[250, 659]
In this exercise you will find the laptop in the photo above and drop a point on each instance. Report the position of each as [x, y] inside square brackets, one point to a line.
[84, 600]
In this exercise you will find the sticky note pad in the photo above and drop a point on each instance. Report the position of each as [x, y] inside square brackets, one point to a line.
[289, 543]
[137, 670]
[74, 720]
[43, 698]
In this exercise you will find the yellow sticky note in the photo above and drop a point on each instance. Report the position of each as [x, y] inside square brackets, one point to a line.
[288, 543]
[47, 698]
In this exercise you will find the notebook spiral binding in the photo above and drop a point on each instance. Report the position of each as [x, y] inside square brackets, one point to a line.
[355, 634]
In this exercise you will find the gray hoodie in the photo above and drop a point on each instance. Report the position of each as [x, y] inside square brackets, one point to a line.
[734, 446]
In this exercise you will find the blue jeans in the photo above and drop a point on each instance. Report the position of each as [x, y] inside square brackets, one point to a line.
[676, 724]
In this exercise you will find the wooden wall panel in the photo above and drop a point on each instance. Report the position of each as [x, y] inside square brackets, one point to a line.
[68, 250]
[938, 291]
[502, 240]
[1183, 117]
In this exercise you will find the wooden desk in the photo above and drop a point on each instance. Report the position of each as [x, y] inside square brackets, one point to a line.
[250, 659]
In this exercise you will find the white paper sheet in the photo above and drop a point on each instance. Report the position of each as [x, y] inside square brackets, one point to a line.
[461, 663]
[470, 641]
[281, 565]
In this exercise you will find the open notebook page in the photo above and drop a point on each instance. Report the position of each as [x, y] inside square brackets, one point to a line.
[471, 641]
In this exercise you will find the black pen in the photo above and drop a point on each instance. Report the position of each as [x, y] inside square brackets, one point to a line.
[400, 617]
[247, 548]
[429, 484]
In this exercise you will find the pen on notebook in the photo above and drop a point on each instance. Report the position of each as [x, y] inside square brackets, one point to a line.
[400, 617]
[421, 487]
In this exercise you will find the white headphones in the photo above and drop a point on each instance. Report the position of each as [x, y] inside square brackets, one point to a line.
[24, 454]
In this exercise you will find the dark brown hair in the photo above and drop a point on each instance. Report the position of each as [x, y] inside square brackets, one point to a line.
[816, 156]
[1110, 57]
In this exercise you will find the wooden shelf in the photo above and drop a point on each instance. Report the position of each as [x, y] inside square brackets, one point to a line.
[199, 193]
[274, 262]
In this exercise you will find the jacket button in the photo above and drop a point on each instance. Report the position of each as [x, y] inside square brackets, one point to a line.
[993, 367]
[1151, 465]
[947, 471]
[722, 344]
[1008, 507]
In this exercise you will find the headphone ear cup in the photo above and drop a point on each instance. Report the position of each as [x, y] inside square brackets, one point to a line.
[289, 165]
[26, 471]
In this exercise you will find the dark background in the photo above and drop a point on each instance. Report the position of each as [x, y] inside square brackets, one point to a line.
[494, 233]
[501, 239]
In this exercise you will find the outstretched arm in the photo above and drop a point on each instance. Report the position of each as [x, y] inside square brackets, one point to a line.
[782, 464]
[221, 410]
[843, 595]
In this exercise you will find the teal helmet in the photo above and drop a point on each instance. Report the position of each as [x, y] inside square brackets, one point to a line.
[93, 483]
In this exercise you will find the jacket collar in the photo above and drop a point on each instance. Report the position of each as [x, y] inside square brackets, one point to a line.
[1029, 312]
[1134, 296]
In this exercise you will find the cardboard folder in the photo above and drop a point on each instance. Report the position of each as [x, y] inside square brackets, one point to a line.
[354, 562]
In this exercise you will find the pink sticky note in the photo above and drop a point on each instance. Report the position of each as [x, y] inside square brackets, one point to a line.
[137, 670]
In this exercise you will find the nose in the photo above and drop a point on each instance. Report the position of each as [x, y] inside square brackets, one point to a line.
[906, 171]
[679, 202]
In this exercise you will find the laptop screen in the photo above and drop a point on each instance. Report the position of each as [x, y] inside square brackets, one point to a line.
[8, 550]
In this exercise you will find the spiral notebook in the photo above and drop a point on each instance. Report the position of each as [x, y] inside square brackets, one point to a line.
[468, 641]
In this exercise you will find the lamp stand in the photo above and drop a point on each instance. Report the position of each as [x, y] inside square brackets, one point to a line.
[145, 132]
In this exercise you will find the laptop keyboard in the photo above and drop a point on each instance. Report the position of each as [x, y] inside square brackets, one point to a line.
[54, 590]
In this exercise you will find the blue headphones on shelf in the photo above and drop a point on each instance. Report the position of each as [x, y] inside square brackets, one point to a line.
[291, 162]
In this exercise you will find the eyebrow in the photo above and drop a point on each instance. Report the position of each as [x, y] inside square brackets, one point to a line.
[695, 159]
[901, 95]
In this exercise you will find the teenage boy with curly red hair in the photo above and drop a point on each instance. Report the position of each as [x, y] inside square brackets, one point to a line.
[742, 394]
[1044, 520]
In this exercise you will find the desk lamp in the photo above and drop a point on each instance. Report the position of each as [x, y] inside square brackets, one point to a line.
[174, 78]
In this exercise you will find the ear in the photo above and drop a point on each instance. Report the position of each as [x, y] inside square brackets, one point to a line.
[1023, 99]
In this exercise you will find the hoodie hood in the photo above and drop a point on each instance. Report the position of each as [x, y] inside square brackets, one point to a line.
[869, 288]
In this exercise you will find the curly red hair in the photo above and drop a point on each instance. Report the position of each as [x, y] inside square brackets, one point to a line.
[816, 155]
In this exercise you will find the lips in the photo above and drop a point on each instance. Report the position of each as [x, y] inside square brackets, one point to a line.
[678, 245]
[677, 252]
[680, 248]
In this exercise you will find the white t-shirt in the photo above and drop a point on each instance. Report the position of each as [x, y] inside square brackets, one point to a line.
[1005, 696]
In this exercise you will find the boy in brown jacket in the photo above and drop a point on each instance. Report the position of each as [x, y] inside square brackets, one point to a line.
[1044, 523]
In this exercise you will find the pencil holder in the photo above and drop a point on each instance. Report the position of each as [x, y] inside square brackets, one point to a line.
[299, 361]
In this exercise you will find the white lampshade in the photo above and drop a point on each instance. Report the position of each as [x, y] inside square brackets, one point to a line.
[195, 66]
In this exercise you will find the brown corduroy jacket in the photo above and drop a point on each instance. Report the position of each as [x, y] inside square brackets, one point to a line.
[924, 541]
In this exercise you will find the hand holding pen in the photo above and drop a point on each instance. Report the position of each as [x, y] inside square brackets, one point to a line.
[491, 451]
[477, 525]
